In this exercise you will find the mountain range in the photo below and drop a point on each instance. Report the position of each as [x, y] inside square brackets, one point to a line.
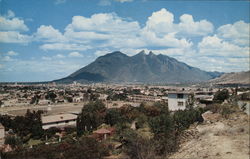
[118, 67]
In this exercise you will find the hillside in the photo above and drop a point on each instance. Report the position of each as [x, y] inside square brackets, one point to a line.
[143, 68]
[217, 139]
[233, 78]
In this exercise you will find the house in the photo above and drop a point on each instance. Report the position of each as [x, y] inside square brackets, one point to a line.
[178, 100]
[60, 120]
[2, 134]
[103, 133]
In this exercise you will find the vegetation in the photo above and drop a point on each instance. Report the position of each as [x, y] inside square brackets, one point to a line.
[156, 133]
[29, 125]
[221, 95]
[84, 148]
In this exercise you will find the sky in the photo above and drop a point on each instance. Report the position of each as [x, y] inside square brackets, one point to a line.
[50, 39]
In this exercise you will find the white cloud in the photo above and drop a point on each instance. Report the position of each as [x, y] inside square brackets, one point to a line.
[214, 46]
[63, 46]
[188, 26]
[6, 59]
[75, 54]
[162, 22]
[102, 22]
[46, 58]
[12, 53]
[238, 33]
[60, 56]
[14, 37]
[122, 1]
[10, 28]
[12, 24]
[10, 14]
[49, 34]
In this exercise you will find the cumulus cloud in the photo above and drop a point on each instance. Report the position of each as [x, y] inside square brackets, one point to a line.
[12, 24]
[110, 30]
[14, 37]
[188, 26]
[162, 22]
[102, 22]
[49, 34]
[60, 56]
[12, 53]
[10, 28]
[75, 54]
[238, 33]
[214, 46]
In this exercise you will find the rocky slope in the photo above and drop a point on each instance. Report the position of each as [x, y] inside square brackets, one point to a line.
[218, 138]
[144, 68]
[233, 78]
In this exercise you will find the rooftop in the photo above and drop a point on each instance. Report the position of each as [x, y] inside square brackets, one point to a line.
[58, 118]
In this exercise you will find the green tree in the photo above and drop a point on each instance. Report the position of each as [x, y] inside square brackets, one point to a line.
[113, 116]
[92, 116]
[221, 95]
[13, 141]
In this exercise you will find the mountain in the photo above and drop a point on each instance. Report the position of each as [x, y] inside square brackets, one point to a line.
[233, 78]
[144, 68]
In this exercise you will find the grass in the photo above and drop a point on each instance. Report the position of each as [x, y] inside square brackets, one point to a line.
[33, 142]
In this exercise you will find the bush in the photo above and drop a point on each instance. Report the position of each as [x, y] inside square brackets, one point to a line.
[220, 96]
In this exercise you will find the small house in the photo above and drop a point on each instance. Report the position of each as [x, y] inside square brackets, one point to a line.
[178, 100]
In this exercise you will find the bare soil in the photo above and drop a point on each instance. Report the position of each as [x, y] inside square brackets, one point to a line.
[222, 139]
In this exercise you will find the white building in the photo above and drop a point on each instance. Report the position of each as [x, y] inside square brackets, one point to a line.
[2, 134]
[178, 100]
[61, 120]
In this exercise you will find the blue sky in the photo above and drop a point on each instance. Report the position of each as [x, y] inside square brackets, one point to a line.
[50, 39]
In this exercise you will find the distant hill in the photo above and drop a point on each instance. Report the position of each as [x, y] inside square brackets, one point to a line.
[143, 68]
[233, 78]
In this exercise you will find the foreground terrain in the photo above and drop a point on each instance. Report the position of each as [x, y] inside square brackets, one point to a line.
[217, 138]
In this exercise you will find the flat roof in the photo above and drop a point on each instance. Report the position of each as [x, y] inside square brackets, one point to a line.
[179, 92]
[58, 118]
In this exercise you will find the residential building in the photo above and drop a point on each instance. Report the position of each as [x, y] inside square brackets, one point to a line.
[60, 120]
[178, 100]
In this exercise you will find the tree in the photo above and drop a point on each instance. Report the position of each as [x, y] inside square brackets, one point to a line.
[51, 96]
[13, 141]
[136, 146]
[220, 96]
[113, 116]
[162, 124]
[30, 124]
[91, 117]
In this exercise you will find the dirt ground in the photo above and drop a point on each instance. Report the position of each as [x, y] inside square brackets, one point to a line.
[222, 139]
[54, 109]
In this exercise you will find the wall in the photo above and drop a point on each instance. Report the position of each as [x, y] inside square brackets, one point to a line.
[173, 102]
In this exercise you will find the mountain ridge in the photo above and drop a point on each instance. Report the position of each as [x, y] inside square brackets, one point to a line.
[143, 68]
